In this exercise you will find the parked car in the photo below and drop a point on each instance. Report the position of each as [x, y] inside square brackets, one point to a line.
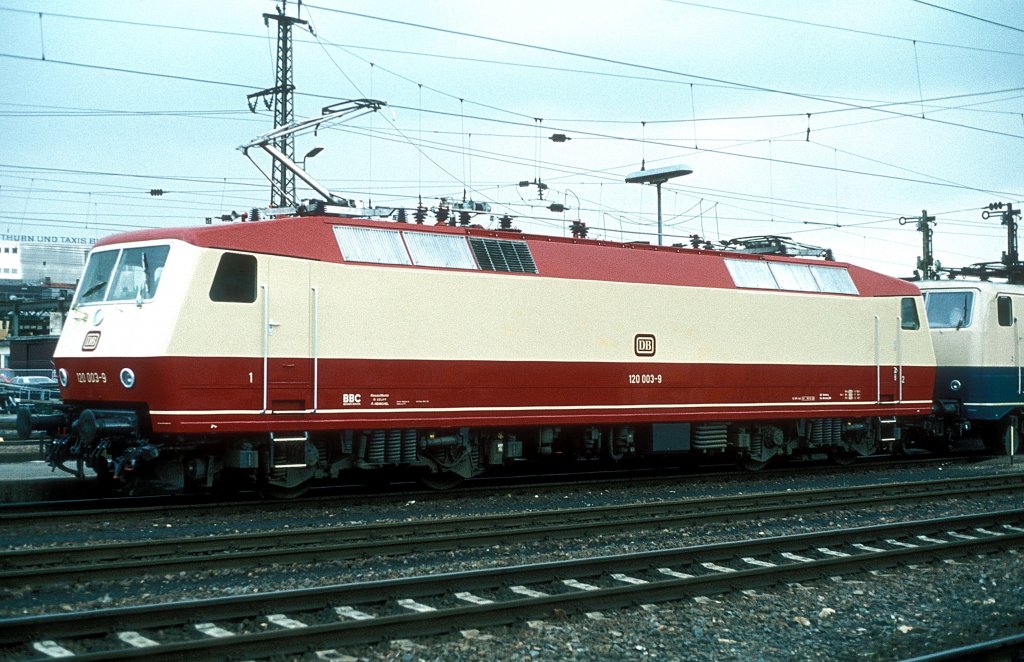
[34, 381]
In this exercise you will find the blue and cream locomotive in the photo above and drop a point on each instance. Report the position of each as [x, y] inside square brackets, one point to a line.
[974, 316]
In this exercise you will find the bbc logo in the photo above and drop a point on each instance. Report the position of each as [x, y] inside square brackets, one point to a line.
[643, 344]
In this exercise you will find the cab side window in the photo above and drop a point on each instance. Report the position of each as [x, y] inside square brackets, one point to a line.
[909, 320]
[1004, 308]
[235, 280]
[950, 309]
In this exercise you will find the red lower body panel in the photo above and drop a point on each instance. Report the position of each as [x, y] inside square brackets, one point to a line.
[222, 395]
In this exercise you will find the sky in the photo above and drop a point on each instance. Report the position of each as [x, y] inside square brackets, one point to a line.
[826, 121]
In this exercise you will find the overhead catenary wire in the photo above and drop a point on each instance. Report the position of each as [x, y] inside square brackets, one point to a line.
[840, 28]
[827, 99]
[720, 193]
[970, 16]
[849, 171]
[847, 105]
[208, 81]
[231, 33]
[571, 170]
[608, 60]
[755, 157]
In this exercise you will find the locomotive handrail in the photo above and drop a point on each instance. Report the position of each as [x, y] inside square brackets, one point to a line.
[266, 343]
[899, 357]
[1016, 353]
[316, 347]
[878, 360]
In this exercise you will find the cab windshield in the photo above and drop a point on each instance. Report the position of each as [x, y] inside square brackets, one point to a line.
[949, 310]
[123, 274]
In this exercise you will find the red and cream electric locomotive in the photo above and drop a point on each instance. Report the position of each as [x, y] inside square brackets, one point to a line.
[321, 343]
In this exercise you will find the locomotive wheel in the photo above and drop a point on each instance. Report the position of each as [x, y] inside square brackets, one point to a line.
[1011, 437]
[750, 464]
[106, 484]
[843, 457]
[443, 480]
[1000, 436]
[280, 492]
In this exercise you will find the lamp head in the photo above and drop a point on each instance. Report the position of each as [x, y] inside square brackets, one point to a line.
[658, 175]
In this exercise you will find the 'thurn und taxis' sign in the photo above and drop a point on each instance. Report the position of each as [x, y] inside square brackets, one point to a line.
[48, 239]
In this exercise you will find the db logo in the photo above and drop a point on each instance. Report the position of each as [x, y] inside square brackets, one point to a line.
[350, 399]
[643, 344]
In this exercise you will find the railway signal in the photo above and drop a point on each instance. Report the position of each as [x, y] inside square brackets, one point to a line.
[928, 268]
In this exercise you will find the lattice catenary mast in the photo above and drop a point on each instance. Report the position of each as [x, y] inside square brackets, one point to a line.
[283, 180]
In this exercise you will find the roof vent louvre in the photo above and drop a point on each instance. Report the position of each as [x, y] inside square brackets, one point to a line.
[503, 255]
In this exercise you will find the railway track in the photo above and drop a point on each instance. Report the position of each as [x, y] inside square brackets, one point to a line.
[97, 562]
[297, 622]
[109, 505]
[14, 451]
[1002, 648]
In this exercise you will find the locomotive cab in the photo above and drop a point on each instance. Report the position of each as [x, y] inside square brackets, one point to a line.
[979, 390]
[122, 316]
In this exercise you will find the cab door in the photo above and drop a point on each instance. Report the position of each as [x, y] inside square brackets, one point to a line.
[888, 359]
[1008, 350]
[287, 305]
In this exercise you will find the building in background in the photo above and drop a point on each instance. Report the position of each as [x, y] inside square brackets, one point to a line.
[38, 275]
[10, 261]
[51, 265]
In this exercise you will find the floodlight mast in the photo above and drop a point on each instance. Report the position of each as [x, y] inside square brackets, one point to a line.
[658, 176]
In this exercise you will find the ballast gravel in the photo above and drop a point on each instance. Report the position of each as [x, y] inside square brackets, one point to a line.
[882, 616]
[889, 615]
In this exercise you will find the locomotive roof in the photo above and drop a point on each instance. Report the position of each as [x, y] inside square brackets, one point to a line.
[313, 237]
[963, 284]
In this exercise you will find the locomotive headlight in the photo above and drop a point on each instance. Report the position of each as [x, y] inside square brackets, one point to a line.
[62, 375]
[127, 377]
[955, 385]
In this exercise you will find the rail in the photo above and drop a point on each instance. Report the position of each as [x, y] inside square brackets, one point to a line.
[93, 562]
[293, 622]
